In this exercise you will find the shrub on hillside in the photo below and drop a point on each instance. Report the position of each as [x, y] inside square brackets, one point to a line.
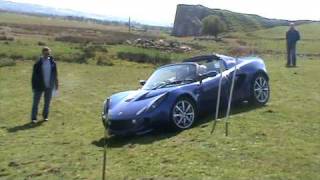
[240, 51]
[140, 57]
[102, 37]
[40, 43]
[3, 55]
[90, 50]
[102, 60]
[213, 25]
[241, 42]
[16, 56]
[73, 39]
[6, 38]
[7, 62]
[72, 58]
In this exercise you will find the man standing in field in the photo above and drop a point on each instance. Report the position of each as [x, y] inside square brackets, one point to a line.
[44, 81]
[292, 37]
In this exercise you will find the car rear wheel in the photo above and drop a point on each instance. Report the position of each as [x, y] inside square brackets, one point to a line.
[183, 114]
[260, 90]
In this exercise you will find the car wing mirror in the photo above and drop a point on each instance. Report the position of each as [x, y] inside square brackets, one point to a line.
[212, 73]
[208, 74]
[142, 82]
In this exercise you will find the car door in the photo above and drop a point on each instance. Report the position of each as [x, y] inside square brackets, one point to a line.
[209, 90]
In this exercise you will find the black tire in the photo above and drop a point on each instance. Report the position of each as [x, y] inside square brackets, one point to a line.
[185, 118]
[259, 90]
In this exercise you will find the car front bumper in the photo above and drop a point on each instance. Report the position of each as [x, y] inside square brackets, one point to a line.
[123, 127]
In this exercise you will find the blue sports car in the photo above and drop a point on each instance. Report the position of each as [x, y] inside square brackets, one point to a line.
[176, 94]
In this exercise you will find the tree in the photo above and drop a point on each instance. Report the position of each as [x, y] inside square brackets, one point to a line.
[213, 25]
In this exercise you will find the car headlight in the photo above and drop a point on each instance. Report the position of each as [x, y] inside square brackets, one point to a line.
[156, 103]
[153, 105]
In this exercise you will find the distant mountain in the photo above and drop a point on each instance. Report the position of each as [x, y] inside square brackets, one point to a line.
[38, 9]
[188, 20]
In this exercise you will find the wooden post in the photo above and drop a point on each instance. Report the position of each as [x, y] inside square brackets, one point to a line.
[129, 24]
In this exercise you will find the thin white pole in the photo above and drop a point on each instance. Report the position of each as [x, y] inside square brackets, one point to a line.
[104, 165]
[230, 96]
[104, 155]
[218, 99]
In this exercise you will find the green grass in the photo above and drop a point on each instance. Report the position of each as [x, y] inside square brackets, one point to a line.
[278, 141]
[274, 38]
[28, 47]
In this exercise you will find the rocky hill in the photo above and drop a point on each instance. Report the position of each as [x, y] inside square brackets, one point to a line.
[188, 20]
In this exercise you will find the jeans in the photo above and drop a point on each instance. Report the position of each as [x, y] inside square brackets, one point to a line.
[36, 99]
[292, 58]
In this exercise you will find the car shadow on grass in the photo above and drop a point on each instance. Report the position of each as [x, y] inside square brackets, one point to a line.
[165, 133]
[26, 126]
[132, 141]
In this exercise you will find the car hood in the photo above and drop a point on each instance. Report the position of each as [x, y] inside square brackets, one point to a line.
[126, 105]
[141, 94]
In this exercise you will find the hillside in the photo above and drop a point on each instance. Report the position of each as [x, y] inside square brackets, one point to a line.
[45, 10]
[188, 20]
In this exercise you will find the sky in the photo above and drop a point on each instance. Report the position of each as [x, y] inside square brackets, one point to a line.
[162, 12]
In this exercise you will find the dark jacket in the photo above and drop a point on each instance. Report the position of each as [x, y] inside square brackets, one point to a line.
[37, 75]
[292, 37]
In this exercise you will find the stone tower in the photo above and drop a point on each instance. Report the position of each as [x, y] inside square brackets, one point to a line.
[188, 20]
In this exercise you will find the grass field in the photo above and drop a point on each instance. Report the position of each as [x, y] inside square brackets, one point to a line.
[277, 141]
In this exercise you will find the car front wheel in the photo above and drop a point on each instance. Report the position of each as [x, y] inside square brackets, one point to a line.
[183, 114]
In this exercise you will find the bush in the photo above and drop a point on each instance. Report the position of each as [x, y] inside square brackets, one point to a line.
[213, 25]
[16, 56]
[72, 58]
[3, 55]
[6, 38]
[7, 62]
[240, 51]
[90, 50]
[40, 43]
[241, 42]
[102, 60]
[73, 39]
[139, 57]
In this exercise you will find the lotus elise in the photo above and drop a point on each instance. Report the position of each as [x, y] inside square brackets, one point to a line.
[175, 94]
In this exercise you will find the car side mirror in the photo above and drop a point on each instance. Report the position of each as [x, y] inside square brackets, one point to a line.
[142, 82]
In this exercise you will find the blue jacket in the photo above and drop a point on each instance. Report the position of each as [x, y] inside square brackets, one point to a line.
[292, 37]
[37, 75]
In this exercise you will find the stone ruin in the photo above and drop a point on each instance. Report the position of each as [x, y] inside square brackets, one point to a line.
[163, 45]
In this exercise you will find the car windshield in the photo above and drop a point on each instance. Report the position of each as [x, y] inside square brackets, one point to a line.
[171, 76]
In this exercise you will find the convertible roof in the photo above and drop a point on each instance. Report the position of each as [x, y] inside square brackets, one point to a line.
[207, 58]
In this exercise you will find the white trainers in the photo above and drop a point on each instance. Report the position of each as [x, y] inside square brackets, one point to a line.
[34, 121]
[46, 119]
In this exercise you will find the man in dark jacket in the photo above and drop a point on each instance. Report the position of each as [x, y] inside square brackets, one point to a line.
[292, 37]
[44, 80]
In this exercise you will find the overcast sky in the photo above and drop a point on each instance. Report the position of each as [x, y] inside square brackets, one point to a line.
[162, 12]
